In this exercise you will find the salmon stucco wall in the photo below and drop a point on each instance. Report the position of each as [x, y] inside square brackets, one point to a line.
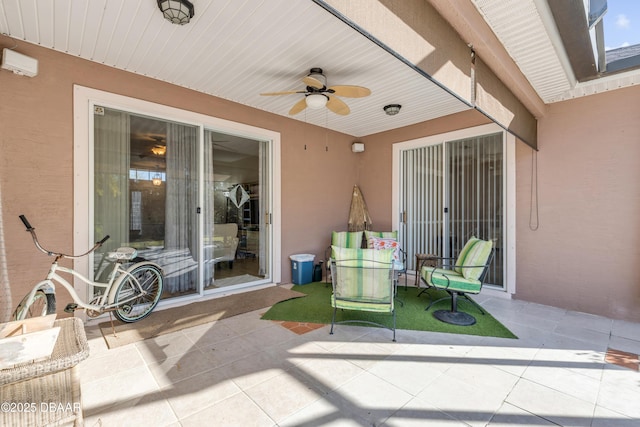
[36, 163]
[584, 253]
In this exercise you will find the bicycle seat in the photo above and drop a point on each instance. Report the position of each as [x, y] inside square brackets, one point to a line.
[123, 254]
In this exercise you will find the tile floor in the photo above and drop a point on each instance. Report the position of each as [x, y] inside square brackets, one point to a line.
[566, 368]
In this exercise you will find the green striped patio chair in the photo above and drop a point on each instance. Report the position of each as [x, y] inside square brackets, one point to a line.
[362, 280]
[341, 239]
[465, 276]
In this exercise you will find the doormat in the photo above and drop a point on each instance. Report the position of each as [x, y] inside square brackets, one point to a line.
[174, 319]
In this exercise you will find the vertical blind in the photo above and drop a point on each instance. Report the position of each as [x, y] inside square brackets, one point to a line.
[421, 191]
[450, 192]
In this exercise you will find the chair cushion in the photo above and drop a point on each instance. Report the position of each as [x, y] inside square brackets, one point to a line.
[477, 255]
[463, 253]
[347, 239]
[385, 243]
[358, 288]
[383, 234]
[359, 257]
[437, 277]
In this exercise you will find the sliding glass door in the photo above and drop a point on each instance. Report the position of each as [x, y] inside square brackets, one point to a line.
[198, 208]
[235, 210]
[451, 191]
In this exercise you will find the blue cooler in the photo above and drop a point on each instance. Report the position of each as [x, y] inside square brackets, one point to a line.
[302, 268]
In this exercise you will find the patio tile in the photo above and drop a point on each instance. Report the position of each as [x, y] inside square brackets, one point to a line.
[551, 404]
[512, 359]
[621, 396]
[509, 415]
[135, 412]
[224, 352]
[237, 410]
[210, 333]
[600, 339]
[408, 372]
[271, 335]
[284, 394]
[321, 413]
[329, 372]
[565, 381]
[160, 348]
[625, 329]
[462, 401]
[369, 397]
[255, 369]
[295, 353]
[605, 418]
[418, 413]
[588, 321]
[362, 354]
[109, 363]
[125, 386]
[246, 322]
[178, 368]
[625, 344]
[495, 381]
[196, 393]
[544, 311]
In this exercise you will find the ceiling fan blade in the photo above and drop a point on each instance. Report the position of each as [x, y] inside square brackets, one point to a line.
[338, 106]
[288, 92]
[350, 91]
[313, 82]
[298, 106]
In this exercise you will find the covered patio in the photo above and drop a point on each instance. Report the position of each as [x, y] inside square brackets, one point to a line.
[566, 368]
[526, 73]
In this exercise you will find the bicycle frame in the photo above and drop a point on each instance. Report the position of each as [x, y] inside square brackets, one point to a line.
[105, 302]
[111, 282]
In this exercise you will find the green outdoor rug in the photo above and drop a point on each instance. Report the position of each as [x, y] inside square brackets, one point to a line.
[315, 307]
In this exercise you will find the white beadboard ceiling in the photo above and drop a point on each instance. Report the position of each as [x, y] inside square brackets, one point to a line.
[236, 49]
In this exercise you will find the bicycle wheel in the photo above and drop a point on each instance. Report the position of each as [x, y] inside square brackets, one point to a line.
[41, 305]
[150, 279]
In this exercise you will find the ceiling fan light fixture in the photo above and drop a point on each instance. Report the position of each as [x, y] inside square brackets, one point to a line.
[392, 109]
[177, 11]
[159, 150]
[315, 101]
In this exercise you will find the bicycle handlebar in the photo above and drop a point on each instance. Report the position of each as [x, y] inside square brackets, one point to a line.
[25, 221]
[32, 230]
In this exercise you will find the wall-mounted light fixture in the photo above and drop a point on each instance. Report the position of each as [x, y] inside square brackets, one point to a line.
[156, 180]
[357, 147]
[176, 11]
[315, 101]
[392, 109]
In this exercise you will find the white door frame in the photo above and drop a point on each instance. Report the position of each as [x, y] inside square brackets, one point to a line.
[84, 100]
[509, 142]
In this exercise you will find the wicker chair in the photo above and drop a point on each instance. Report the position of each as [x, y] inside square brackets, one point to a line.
[51, 386]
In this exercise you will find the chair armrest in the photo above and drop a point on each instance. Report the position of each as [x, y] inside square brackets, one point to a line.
[440, 262]
[70, 349]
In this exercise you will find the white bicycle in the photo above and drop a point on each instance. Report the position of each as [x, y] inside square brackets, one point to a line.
[131, 292]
